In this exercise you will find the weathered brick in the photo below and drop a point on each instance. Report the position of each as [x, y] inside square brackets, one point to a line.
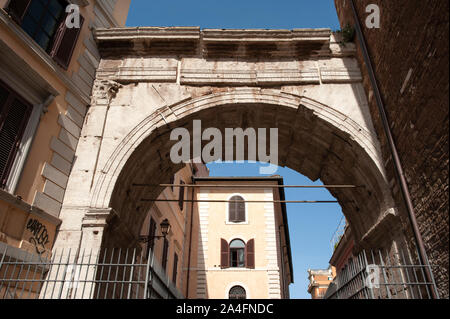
[414, 35]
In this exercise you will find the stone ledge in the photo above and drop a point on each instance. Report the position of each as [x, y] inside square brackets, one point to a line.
[22, 205]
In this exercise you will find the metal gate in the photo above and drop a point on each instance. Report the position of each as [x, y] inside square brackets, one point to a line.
[112, 274]
[382, 275]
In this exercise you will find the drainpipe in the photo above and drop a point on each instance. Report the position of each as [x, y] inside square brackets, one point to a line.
[423, 258]
[190, 240]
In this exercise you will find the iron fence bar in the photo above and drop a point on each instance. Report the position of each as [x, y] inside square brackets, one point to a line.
[26, 276]
[98, 287]
[434, 287]
[139, 277]
[411, 288]
[384, 274]
[147, 270]
[426, 287]
[123, 275]
[22, 263]
[53, 258]
[109, 273]
[1, 265]
[74, 296]
[94, 278]
[131, 275]
[86, 276]
[152, 273]
[117, 274]
[65, 273]
[372, 296]
[31, 285]
[390, 274]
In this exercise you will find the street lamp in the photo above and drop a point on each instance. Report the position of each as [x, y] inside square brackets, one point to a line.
[165, 228]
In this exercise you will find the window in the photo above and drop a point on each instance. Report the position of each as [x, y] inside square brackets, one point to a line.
[175, 269]
[237, 251]
[14, 115]
[236, 209]
[181, 196]
[237, 292]
[237, 254]
[165, 254]
[44, 21]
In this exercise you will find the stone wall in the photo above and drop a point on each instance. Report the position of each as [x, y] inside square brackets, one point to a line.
[409, 53]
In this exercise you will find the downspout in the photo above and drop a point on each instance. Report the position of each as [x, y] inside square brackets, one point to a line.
[190, 240]
[423, 258]
[283, 279]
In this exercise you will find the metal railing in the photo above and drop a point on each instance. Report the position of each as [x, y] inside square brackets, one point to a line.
[112, 274]
[382, 275]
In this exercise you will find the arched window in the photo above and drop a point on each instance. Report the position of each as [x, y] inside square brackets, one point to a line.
[236, 209]
[237, 253]
[237, 292]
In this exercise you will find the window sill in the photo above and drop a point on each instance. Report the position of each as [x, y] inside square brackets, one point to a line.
[241, 223]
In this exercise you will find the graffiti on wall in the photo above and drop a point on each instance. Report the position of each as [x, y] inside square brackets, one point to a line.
[40, 236]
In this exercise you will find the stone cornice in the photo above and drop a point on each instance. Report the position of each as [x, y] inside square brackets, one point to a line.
[259, 35]
[20, 204]
[192, 41]
[146, 33]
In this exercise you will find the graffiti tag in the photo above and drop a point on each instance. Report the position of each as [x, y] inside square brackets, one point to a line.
[40, 235]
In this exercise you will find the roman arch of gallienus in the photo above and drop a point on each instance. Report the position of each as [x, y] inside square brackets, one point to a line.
[150, 81]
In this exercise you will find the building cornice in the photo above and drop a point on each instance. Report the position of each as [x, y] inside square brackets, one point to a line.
[20, 204]
[193, 41]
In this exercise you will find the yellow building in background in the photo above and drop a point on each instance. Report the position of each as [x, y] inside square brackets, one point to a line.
[227, 238]
[319, 280]
[241, 247]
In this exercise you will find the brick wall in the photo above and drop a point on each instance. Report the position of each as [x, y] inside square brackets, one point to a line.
[413, 39]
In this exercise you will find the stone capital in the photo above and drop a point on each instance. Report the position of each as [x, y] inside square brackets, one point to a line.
[98, 217]
[104, 91]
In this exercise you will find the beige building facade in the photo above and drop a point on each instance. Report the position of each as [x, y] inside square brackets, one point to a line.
[242, 249]
[46, 75]
[170, 252]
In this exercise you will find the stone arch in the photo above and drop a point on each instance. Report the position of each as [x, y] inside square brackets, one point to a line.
[321, 143]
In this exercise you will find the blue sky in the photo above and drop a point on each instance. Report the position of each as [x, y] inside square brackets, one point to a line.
[311, 225]
[240, 14]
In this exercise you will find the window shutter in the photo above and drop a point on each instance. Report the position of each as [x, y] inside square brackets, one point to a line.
[13, 121]
[240, 211]
[236, 210]
[64, 43]
[224, 253]
[175, 269]
[17, 9]
[181, 196]
[250, 248]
